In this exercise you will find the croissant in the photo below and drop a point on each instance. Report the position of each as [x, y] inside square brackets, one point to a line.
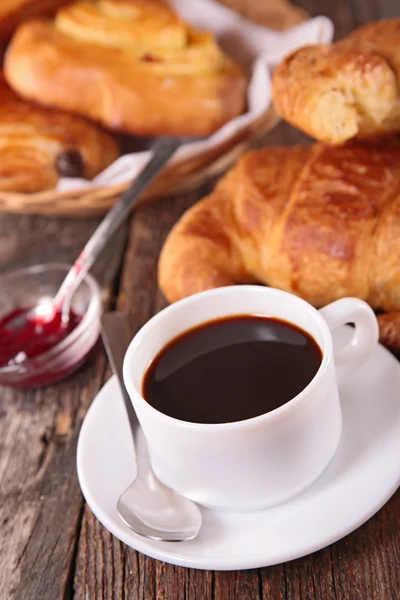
[131, 64]
[39, 145]
[321, 222]
[348, 89]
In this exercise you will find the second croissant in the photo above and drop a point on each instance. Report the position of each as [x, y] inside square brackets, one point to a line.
[320, 222]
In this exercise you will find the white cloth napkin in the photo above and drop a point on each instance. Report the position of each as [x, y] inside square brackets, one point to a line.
[256, 47]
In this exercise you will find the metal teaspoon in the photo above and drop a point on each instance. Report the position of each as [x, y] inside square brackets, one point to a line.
[46, 309]
[147, 506]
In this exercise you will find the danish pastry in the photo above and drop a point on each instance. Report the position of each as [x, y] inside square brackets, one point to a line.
[133, 65]
[38, 145]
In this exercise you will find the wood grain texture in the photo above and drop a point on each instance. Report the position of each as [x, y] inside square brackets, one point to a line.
[388, 8]
[52, 547]
[40, 499]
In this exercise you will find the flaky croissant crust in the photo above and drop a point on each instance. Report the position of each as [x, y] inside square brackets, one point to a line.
[131, 64]
[320, 222]
[343, 90]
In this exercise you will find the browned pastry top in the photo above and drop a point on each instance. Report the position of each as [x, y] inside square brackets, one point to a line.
[35, 142]
[346, 89]
[132, 64]
[321, 222]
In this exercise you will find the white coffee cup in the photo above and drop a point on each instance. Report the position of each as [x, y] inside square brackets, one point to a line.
[268, 459]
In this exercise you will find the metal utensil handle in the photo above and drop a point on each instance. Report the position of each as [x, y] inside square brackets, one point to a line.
[116, 339]
[162, 152]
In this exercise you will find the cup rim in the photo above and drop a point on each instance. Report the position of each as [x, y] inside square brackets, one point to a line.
[277, 413]
[87, 320]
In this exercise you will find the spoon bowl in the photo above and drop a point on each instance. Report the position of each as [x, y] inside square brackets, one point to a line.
[147, 506]
[155, 511]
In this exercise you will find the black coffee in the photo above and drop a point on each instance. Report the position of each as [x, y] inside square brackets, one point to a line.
[231, 369]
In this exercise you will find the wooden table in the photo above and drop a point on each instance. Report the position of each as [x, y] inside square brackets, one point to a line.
[52, 546]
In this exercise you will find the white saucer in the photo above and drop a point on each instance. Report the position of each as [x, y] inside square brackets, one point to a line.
[363, 475]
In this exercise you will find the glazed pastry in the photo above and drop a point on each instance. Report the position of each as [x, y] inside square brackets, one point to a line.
[39, 145]
[343, 90]
[131, 64]
[13, 12]
[320, 222]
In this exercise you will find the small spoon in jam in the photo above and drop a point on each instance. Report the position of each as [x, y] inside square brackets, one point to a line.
[45, 324]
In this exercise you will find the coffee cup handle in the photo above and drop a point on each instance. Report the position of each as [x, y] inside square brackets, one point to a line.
[365, 336]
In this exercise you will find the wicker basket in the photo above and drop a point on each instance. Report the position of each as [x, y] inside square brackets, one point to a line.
[182, 177]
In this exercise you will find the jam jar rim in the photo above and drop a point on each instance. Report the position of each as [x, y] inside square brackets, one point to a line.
[39, 363]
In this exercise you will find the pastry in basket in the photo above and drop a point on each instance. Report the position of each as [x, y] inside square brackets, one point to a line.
[346, 89]
[131, 64]
[12, 12]
[38, 145]
[321, 222]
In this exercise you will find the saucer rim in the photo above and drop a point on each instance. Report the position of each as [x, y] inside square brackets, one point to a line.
[170, 553]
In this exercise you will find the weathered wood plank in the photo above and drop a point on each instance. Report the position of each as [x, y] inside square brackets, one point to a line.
[389, 9]
[240, 585]
[310, 577]
[107, 570]
[364, 563]
[40, 499]
[365, 11]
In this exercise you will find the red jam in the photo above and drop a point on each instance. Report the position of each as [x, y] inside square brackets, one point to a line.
[20, 342]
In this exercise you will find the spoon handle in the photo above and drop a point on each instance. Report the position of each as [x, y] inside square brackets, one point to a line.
[163, 149]
[116, 339]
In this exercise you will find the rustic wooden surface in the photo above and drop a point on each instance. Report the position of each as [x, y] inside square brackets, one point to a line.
[51, 546]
